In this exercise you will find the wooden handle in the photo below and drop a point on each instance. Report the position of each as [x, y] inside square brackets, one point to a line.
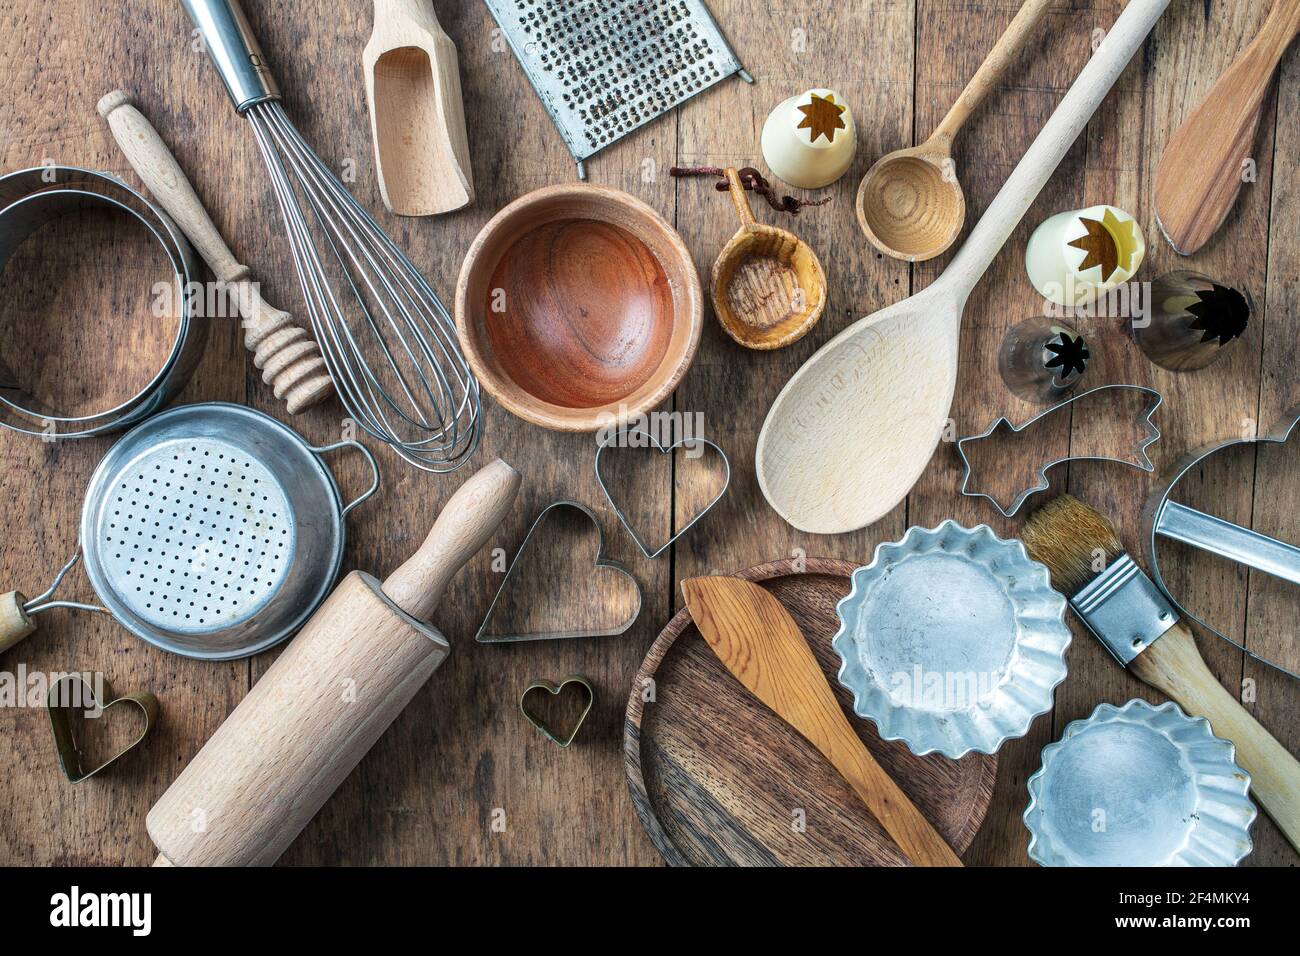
[158, 169]
[991, 71]
[466, 522]
[1174, 665]
[908, 827]
[1049, 148]
[323, 703]
[391, 13]
[736, 189]
[287, 355]
[1281, 27]
[15, 624]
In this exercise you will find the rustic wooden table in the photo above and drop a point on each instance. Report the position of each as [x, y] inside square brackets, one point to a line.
[430, 791]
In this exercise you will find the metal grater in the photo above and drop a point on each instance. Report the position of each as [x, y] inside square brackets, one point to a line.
[606, 67]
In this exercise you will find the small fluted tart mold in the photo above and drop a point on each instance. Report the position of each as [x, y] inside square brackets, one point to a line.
[952, 640]
[1139, 786]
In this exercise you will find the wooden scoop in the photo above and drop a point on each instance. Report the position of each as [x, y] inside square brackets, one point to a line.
[1200, 172]
[758, 641]
[854, 428]
[768, 286]
[417, 116]
[910, 203]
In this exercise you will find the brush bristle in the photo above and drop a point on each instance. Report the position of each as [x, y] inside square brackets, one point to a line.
[1075, 541]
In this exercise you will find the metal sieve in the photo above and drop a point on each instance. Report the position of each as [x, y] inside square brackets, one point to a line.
[213, 531]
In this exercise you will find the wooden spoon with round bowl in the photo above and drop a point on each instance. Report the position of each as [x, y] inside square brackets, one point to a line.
[910, 203]
[767, 284]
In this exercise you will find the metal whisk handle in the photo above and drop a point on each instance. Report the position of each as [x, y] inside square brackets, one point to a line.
[235, 51]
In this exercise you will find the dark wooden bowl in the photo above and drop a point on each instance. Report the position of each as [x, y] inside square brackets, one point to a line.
[578, 306]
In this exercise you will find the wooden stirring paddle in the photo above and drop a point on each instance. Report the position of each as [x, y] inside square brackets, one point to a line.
[758, 641]
[1200, 172]
[417, 116]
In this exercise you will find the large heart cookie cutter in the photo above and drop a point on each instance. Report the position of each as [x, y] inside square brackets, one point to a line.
[80, 695]
[685, 442]
[517, 562]
[1165, 518]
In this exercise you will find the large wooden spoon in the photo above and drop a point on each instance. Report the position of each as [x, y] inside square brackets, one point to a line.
[758, 641]
[910, 203]
[854, 428]
[417, 116]
[1200, 172]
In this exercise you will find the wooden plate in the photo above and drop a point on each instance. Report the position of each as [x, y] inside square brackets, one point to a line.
[718, 779]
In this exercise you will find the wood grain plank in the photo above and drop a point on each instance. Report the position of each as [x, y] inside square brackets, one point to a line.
[430, 790]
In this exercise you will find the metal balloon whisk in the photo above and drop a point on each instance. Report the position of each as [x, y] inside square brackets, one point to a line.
[388, 341]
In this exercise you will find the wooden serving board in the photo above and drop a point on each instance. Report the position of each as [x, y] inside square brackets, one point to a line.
[718, 779]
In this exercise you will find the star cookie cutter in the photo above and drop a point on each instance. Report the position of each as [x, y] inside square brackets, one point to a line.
[1137, 458]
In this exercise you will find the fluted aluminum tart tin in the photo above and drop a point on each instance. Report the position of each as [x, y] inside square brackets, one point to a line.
[952, 640]
[1139, 786]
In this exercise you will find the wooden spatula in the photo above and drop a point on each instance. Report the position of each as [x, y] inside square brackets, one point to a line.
[1200, 172]
[758, 641]
[417, 116]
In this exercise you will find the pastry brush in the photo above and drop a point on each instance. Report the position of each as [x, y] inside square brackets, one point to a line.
[1122, 607]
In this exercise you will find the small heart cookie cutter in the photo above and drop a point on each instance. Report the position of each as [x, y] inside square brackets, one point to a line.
[554, 690]
[600, 480]
[60, 707]
[1138, 458]
[601, 562]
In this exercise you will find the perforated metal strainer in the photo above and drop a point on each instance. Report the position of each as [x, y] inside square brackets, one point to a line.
[214, 531]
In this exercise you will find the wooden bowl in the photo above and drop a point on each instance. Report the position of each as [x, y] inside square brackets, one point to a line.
[767, 285]
[578, 306]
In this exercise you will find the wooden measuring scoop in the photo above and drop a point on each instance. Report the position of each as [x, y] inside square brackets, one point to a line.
[910, 203]
[767, 284]
[417, 117]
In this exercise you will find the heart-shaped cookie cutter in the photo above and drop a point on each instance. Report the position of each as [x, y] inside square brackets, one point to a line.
[554, 690]
[1164, 517]
[601, 562]
[600, 480]
[1138, 457]
[60, 707]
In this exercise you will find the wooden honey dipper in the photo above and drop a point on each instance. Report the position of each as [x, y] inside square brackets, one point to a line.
[286, 354]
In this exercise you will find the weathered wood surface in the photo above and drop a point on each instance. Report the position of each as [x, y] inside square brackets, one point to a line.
[461, 761]
[721, 779]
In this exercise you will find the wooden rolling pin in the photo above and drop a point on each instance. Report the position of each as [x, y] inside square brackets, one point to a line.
[285, 352]
[321, 706]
